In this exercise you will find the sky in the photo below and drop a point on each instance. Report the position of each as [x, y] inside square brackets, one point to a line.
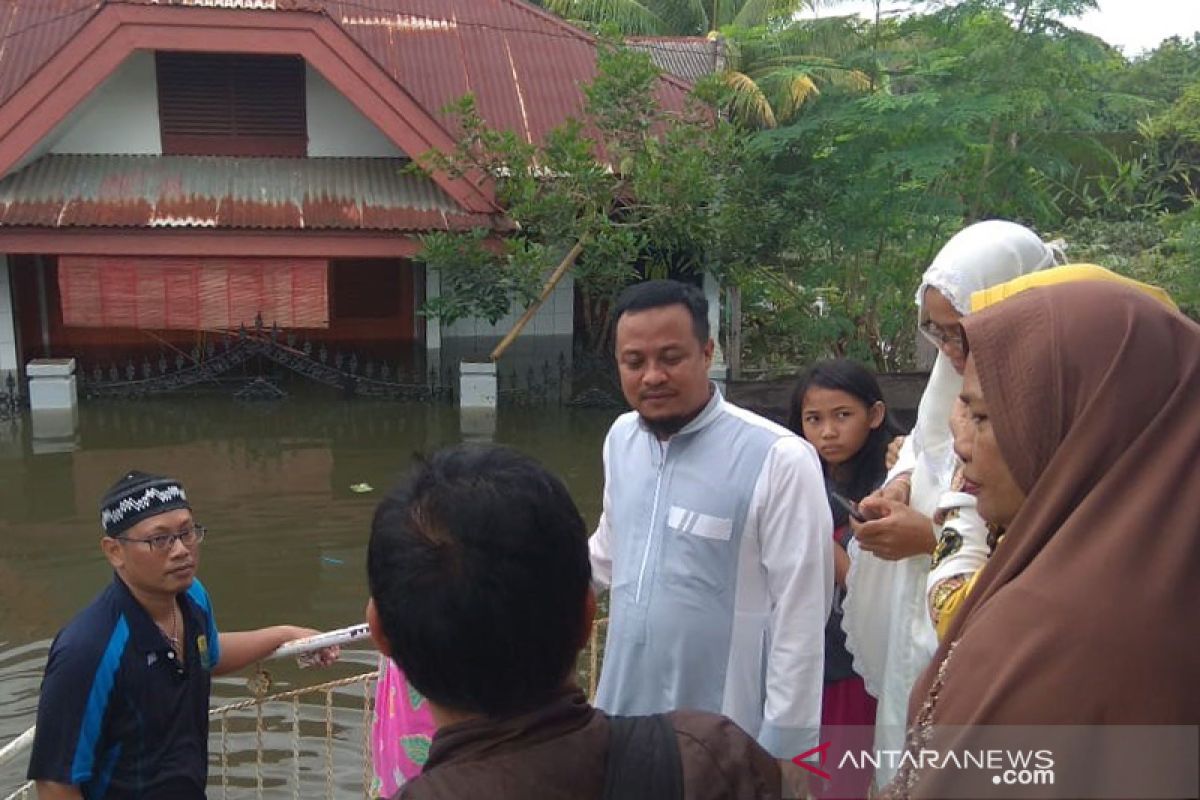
[1132, 25]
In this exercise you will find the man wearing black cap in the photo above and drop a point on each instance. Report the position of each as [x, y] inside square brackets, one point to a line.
[123, 711]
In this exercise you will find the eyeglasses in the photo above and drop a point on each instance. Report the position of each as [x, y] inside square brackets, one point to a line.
[164, 542]
[939, 336]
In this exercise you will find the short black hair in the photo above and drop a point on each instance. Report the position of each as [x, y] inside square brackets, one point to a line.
[478, 566]
[867, 468]
[659, 293]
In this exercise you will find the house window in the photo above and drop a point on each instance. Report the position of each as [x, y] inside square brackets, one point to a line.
[365, 289]
[222, 104]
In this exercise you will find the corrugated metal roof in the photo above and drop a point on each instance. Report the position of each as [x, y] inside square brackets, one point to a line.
[60, 191]
[688, 57]
[524, 65]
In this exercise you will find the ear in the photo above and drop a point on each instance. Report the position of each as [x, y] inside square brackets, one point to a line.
[709, 346]
[376, 627]
[877, 414]
[113, 551]
[589, 617]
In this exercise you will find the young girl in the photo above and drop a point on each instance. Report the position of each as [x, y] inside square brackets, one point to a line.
[838, 407]
[401, 733]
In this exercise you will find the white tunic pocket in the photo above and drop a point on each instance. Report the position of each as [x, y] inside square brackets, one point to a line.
[697, 524]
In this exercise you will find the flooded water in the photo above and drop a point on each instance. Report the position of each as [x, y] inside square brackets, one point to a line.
[286, 536]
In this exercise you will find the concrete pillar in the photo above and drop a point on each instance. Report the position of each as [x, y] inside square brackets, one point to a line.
[433, 326]
[8, 327]
[477, 396]
[719, 371]
[53, 405]
[477, 385]
[51, 384]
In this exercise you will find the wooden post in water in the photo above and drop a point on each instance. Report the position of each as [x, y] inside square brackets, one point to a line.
[552, 282]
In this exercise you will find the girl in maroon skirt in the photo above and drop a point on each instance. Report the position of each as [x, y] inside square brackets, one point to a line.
[838, 407]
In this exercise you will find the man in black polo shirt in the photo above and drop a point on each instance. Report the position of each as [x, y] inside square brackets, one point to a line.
[123, 711]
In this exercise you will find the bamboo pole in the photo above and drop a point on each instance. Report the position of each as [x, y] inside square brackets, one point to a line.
[555, 277]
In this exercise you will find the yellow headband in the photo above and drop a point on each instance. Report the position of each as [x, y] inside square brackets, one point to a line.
[1066, 274]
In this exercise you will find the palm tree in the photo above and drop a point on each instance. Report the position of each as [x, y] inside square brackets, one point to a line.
[774, 63]
[675, 17]
[771, 73]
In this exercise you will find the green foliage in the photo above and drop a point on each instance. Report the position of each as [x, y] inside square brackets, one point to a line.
[674, 17]
[477, 280]
[1164, 251]
[824, 214]
[635, 184]
[980, 109]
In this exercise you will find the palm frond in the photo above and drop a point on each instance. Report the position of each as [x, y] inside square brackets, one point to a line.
[824, 69]
[753, 13]
[747, 103]
[683, 17]
[631, 17]
[788, 90]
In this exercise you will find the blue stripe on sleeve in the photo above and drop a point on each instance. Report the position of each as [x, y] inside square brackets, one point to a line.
[199, 596]
[99, 787]
[97, 702]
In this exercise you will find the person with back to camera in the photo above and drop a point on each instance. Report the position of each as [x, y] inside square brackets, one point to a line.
[481, 592]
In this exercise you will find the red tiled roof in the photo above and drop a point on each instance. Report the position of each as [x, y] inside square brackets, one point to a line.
[60, 191]
[524, 65]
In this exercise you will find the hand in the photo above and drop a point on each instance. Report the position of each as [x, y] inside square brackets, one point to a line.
[893, 451]
[896, 490]
[317, 658]
[893, 530]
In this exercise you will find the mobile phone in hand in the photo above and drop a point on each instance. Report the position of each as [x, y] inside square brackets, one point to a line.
[850, 506]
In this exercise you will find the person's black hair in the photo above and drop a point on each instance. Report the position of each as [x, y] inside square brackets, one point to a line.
[478, 566]
[867, 468]
[659, 293]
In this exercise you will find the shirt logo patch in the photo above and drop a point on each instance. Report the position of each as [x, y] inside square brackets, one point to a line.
[202, 647]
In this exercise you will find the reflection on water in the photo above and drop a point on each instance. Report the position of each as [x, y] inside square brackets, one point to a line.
[272, 483]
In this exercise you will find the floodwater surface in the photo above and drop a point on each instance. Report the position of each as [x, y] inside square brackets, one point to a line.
[286, 539]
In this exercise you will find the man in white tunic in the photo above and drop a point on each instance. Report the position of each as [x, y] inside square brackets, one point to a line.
[715, 540]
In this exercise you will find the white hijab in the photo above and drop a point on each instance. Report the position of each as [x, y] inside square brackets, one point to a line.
[977, 257]
[888, 630]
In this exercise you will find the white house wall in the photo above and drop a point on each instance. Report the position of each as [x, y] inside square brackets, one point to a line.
[8, 330]
[337, 128]
[119, 117]
[556, 317]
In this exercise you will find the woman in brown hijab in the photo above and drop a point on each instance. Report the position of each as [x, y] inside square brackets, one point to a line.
[1085, 400]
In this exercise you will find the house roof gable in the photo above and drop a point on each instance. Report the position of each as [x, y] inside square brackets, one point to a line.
[524, 65]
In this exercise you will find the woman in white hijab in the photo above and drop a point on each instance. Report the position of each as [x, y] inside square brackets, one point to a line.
[888, 629]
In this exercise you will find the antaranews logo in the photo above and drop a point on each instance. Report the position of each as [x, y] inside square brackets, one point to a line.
[1008, 767]
[821, 751]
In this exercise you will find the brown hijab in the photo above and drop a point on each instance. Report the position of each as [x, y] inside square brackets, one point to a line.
[1088, 613]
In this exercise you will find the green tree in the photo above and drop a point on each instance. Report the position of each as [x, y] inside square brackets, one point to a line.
[980, 109]
[675, 17]
[637, 187]
[774, 63]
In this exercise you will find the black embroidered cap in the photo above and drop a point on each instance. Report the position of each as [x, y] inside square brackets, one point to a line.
[138, 496]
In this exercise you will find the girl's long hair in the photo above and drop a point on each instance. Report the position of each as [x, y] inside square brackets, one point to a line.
[867, 468]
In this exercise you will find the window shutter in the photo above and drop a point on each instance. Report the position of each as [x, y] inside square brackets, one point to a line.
[232, 105]
[192, 293]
